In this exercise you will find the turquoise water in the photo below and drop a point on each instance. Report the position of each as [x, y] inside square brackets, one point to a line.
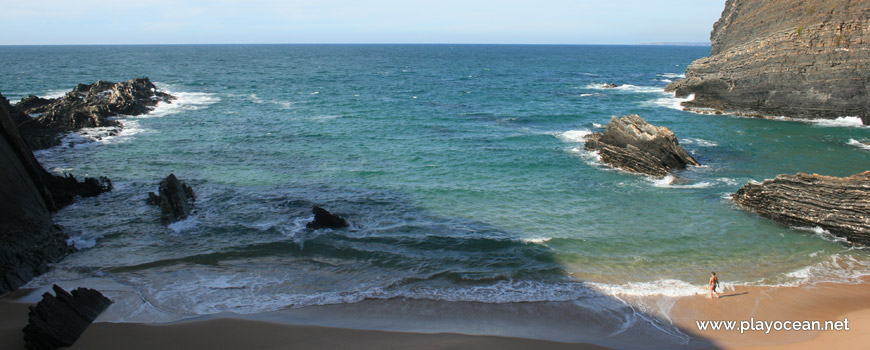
[461, 168]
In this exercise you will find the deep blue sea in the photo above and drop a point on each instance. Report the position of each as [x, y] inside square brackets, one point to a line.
[460, 167]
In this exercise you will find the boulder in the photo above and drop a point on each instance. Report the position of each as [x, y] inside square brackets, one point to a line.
[840, 205]
[632, 144]
[87, 106]
[176, 199]
[59, 320]
[324, 219]
[800, 59]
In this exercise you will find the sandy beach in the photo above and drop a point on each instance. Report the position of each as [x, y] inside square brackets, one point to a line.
[822, 302]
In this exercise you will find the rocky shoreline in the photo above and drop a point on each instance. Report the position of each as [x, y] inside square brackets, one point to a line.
[86, 106]
[799, 59]
[31, 240]
[840, 205]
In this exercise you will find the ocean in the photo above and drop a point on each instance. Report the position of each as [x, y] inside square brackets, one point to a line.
[461, 169]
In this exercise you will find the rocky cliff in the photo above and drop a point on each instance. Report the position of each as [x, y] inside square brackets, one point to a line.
[29, 240]
[803, 59]
[840, 205]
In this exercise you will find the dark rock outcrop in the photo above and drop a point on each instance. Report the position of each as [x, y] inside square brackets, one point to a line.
[610, 86]
[175, 199]
[58, 321]
[324, 219]
[803, 59]
[86, 106]
[840, 205]
[30, 240]
[634, 145]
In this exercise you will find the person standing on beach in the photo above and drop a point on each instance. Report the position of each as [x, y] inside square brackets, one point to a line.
[714, 283]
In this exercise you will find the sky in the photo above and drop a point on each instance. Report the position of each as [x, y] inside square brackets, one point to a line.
[57, 22]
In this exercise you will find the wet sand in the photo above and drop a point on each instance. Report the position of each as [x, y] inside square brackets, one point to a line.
[821, 302]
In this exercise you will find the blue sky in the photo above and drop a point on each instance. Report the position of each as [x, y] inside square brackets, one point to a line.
[360, 21]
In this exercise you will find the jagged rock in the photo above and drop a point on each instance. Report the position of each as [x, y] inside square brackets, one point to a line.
[804, 59]
[324, 219]
[31, 241]
[632, 144]
[86, 106]
[840, 205]
[175, 199]
[58, 321]
[65, 188]
[610, 86]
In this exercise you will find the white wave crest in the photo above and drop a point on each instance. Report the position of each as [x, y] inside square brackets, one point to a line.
[573, 135]
[81, 243]
[662, 287]
[670, 101]
[851, 122]
[859, 144]
[625, 88]
[699, 142]
[670, 181]
[187, 101]
[184, 225]
[672, 75]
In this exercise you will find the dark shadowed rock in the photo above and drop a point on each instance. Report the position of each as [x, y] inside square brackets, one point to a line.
[324, 219]
[175, 199]
[840, 205]
[65, 188]
[610, 86]
[30, 240]
[634, 145]
[86, 106]
[804, 59]
[59, 320]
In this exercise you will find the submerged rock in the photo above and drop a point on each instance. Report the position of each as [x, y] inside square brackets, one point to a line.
[803, 59]
[632, 144]
[840, 205]
[58, 321]
[175, 200]
[324, 219]
[86, 106]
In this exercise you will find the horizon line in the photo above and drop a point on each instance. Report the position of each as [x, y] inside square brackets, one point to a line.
[686, 44]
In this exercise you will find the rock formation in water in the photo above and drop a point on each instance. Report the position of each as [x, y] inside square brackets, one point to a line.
[175, 199]
[85, 106]
[324, 219]
[803, 59]
[29, 240]
[634, 145]
[58, 321]
[840, 205]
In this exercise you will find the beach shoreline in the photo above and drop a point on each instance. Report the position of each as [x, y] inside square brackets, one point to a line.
[342, 326]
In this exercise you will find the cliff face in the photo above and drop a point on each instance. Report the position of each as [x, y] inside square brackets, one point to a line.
[805, 59]
[29, 241]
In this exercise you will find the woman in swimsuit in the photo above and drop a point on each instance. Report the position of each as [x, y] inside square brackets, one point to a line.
[714, 283]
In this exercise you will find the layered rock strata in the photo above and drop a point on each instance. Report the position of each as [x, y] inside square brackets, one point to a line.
[802, 59]
[59, 320]
[840, 205]
[632, 144]
[176, 199]
[86, 106]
